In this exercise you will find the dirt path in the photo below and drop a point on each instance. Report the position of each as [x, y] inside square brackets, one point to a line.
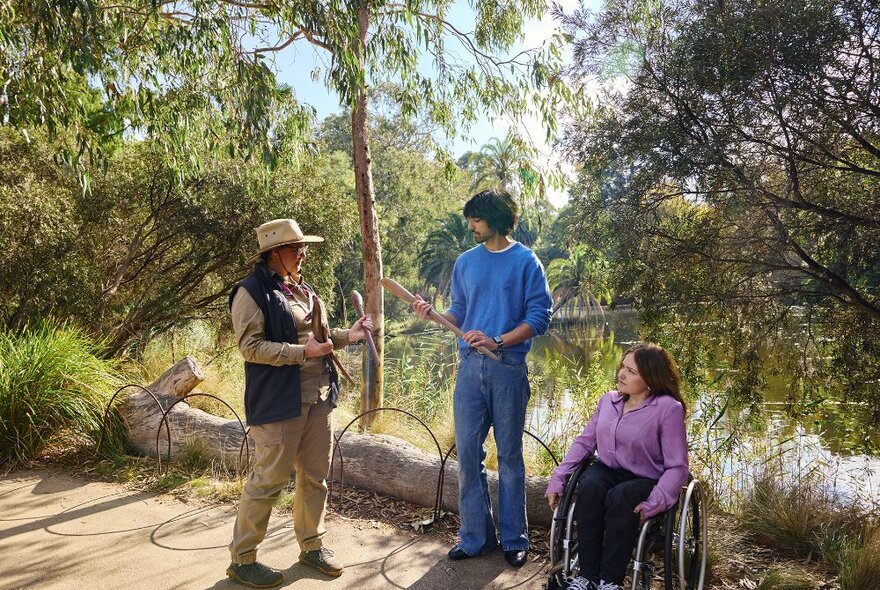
[60, 532]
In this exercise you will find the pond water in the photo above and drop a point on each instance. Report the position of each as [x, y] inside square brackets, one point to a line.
[576, 363]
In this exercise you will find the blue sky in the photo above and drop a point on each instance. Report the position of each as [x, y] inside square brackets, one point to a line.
[296, 64]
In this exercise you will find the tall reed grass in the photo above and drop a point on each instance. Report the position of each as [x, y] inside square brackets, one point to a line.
[54, 385]
[214, 349]
[800, 517]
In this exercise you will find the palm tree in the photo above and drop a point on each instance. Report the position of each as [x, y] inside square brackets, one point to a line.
[440, 250]
[583, 278]
[496, 164]
[505, 163]
[508, 164]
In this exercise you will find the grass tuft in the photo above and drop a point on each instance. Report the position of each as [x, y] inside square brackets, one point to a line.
[859, 561]
[786, 579]
[788, 517]
[53, 386]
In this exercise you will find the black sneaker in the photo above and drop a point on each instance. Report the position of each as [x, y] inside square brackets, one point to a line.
[254, 575]
[322, 560]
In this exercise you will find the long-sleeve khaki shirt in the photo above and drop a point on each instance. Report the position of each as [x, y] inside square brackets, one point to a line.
[247, 321]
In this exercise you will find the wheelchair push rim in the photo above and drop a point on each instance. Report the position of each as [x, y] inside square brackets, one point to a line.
[686, 549]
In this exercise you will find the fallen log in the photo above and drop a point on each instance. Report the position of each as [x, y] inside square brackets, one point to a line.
[384, 464]
[180, 379]
[392, 467]
[215, 437]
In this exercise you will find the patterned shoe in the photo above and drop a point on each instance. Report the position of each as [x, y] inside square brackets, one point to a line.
[322, 560]
[580, 583]
[254, 575]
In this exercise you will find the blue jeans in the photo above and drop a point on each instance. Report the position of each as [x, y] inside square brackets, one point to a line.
[491, 393]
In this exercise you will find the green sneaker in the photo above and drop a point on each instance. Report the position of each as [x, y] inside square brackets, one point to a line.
[322, 560]
[254, 575]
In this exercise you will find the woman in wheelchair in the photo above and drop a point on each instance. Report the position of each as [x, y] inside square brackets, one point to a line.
[639, 434]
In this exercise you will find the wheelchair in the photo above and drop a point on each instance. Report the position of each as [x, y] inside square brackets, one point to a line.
[671, 546]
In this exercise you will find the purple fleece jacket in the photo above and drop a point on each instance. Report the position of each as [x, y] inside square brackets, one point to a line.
[649, 441]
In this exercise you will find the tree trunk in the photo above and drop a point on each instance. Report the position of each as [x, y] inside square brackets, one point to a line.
[384, 464]
[189, 427]
[180, 379]
[392, 467]
[372, 251]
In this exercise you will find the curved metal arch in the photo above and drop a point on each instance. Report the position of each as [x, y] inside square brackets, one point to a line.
[164, 421]
[110, 404]
[546, 448]
[438, 496]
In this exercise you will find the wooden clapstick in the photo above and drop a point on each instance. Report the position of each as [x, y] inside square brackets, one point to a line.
[358, 302]
[400, 292]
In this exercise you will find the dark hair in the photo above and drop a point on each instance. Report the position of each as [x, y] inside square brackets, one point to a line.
[496, 207]
[657, 369]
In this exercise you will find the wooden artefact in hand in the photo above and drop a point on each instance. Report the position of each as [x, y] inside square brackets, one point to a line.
[401, 292]
[321, 336]
[358, 302]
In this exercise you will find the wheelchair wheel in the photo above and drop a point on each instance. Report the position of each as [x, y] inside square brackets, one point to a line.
[684, 560]
[563, 535]
[643, 567]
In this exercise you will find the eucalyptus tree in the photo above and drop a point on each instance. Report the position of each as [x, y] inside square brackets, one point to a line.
[197, 77]
[749, 136]
[91, 72]
[374, 41]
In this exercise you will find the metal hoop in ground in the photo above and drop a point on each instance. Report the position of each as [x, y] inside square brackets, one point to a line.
[442, 479]
[110, 404]
[164, 421]
[338, 449]
[546, 448]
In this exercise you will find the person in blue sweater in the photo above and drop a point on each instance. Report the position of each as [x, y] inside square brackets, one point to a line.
[500, 300]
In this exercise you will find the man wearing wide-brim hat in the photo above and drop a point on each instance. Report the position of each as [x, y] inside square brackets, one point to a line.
[290, 390]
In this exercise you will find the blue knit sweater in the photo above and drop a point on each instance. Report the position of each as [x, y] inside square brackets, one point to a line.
[495, 292]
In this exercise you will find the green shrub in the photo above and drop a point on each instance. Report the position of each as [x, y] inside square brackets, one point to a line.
[52, 384]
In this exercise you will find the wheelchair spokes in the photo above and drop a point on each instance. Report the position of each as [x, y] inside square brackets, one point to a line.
[670, 553]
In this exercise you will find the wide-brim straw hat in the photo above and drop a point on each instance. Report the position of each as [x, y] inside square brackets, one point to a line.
[281, 232]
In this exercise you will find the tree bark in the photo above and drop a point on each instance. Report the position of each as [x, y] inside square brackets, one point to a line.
[372, 251]
[392, 467]
[180, 379]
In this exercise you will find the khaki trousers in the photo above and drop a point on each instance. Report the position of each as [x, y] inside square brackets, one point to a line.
[303, 443]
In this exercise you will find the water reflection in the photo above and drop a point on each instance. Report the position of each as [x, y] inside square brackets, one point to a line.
[572, 366]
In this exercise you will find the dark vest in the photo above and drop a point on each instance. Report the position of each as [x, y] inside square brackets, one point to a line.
[271, 393]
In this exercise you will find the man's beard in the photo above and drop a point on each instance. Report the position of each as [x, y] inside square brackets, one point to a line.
[480, 238]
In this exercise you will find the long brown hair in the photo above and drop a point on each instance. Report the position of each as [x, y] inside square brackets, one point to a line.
[657, 369]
